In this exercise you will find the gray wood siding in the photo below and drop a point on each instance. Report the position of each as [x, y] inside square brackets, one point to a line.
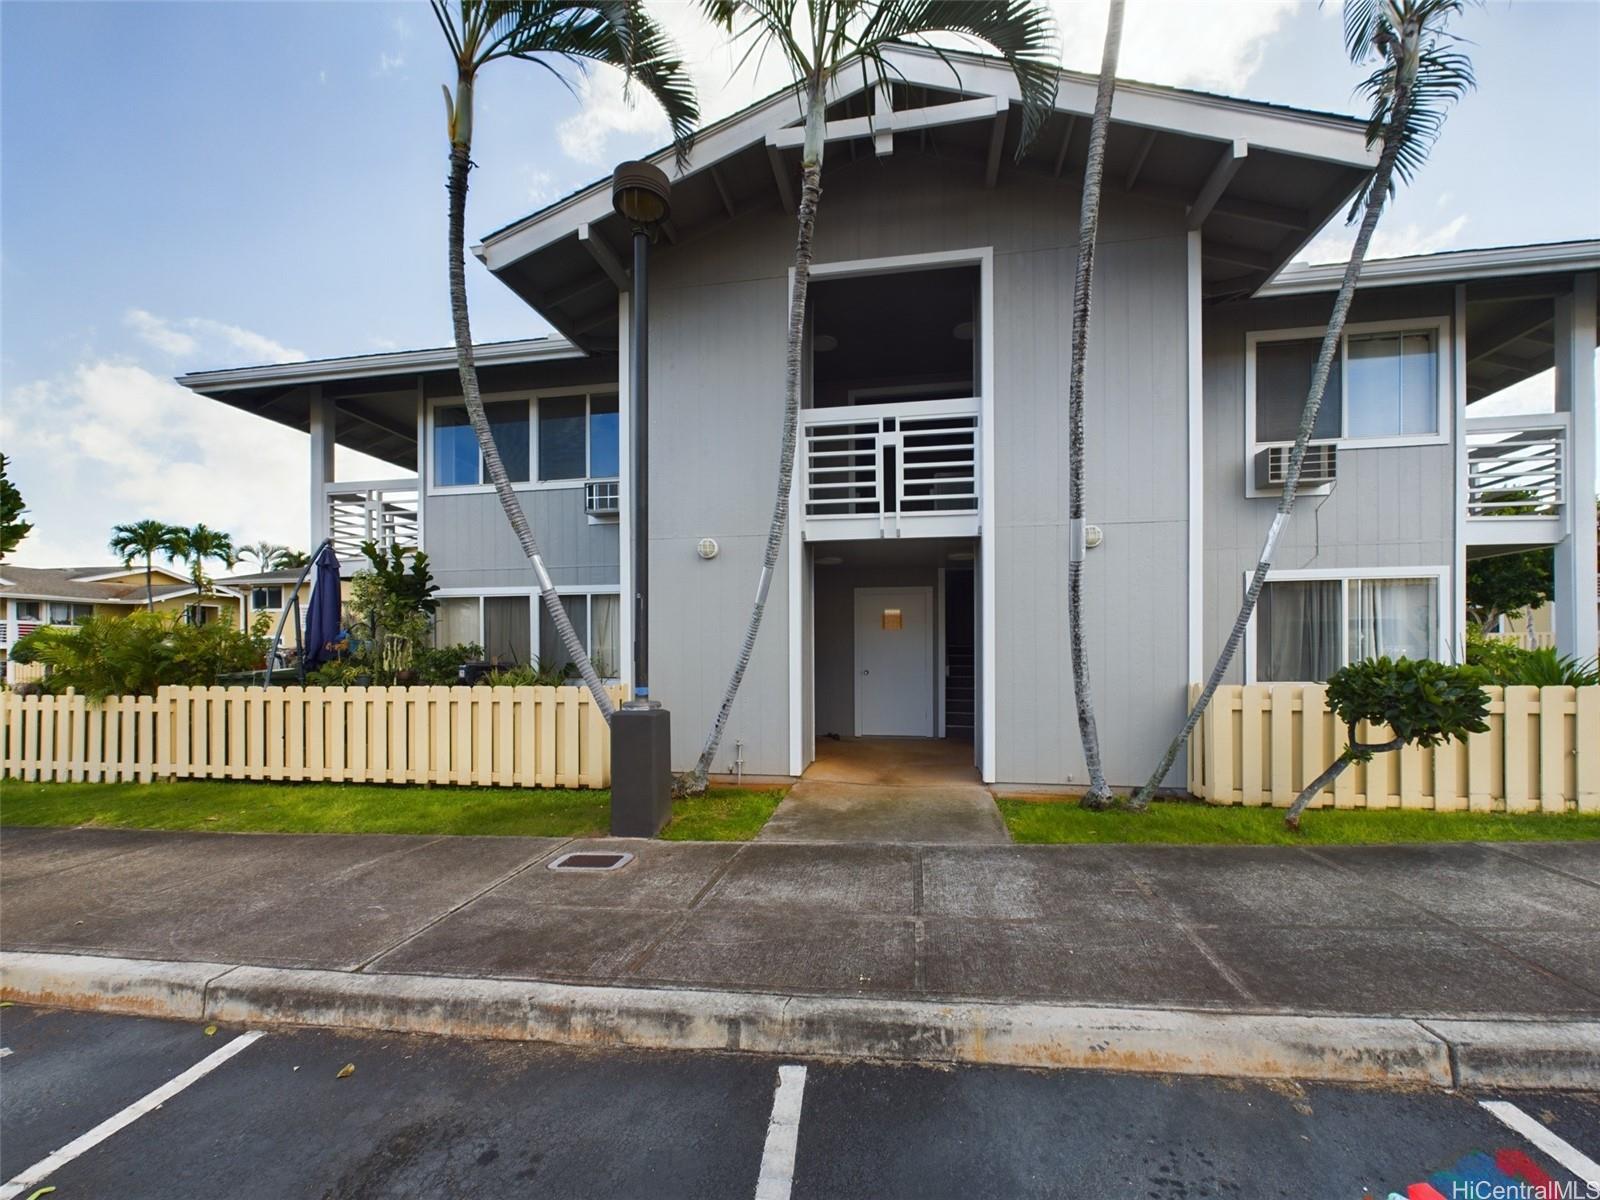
[1391, 507]
[470, 543]
[716, 378]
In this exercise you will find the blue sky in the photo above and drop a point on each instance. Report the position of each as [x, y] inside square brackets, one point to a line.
[213, 184]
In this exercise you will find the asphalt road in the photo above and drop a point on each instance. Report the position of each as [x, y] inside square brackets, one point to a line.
[430, 1117]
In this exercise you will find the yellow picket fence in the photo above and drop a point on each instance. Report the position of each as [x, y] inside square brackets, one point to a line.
[1261, 744]
[472, 736]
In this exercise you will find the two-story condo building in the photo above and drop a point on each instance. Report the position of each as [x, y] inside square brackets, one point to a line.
[922, 588]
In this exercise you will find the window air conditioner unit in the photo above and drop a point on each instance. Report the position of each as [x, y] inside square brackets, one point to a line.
[1319, 466]
[600, 498]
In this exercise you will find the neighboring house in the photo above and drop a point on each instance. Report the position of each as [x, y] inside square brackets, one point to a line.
[268, 594]
[34, 596]
[921, 591]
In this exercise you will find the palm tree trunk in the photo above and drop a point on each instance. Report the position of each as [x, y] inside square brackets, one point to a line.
[810, 196]
[1099, 793]
[460, 164]
[149, 583]
[1376, 194]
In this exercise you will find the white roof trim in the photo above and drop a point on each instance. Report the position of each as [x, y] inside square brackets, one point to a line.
[1219, 118]
[367, 366]
[1446, 266]
[113, 574]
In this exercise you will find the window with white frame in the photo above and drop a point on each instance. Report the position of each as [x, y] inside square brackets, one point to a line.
[1385, 385]
[26, 610]
[503, 626]
[548, 439]
[62, 613]
[266, 597]
[1307, 628]
[457, 461]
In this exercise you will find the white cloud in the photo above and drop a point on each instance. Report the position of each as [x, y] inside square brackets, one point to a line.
[186, 337]
[124, 443]
[1212, 44]
[541, 185]
[390, 63]
[160, 334]
[1397, 241]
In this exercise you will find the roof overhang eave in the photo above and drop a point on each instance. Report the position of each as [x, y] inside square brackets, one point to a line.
[1449, 266]
[1335, 139]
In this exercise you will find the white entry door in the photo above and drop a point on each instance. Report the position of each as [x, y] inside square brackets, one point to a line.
[894, 662]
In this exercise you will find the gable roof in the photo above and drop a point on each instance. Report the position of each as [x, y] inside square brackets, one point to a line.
[1257, 179]
[88, 584]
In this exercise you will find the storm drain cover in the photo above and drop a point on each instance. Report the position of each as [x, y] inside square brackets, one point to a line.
[590, 860]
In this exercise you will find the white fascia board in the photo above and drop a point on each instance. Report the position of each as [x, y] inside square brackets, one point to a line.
[366, 366]
[1446, 267]
[1309, 135]
[103, 576]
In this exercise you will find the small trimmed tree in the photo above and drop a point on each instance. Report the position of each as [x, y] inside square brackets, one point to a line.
[1422, 702]
[1508, 584]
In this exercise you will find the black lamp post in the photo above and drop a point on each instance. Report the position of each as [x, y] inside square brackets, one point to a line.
[641, 740]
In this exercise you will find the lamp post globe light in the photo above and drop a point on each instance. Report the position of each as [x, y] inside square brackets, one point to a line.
[641, 740]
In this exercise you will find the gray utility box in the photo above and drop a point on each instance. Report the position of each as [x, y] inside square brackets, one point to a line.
[641, 771]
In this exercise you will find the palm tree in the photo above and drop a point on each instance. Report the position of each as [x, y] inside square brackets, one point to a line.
[1099, 794]
[818, 39]
[269, 556]
[548, 33]
[292, 560]
[1418, 77]
[193, 546]
[142, 539]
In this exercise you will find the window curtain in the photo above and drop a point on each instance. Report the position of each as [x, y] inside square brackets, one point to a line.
[455, 622]
[507, 633]
[1298, 631]
[606, 616]
[1393, 617]
[553, 655]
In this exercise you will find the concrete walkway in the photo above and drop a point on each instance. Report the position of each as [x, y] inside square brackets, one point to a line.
[1435, 931]
[907, 791]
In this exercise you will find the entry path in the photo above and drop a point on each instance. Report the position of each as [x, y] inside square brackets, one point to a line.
[910, 791]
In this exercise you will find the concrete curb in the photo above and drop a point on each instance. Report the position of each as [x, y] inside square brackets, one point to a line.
[1529, 1054]
[1349, 1049]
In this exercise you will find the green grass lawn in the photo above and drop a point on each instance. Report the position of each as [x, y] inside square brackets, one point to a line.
[1040, 820]
[723, 814]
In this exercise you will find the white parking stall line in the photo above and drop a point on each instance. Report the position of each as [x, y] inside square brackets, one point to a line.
[1568, 1155]
[4, 1051]
[783, 1135]
[54, 1161]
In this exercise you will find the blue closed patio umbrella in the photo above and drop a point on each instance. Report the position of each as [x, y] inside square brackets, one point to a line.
[322, 610]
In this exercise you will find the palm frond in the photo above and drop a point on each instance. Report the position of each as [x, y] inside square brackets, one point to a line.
[1419, 77]
[1021, 31]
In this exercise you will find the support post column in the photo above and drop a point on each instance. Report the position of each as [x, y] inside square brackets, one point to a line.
[323, 428]
[1575, 620]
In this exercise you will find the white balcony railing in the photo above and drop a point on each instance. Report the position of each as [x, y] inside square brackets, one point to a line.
[1517, 465]
[382, 511]
[891, 470]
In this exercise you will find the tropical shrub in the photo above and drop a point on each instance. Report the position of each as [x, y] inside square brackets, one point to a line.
[437, 665]
[1422, 702]
[26, 648]
[390, 616]
[136, 654]
[1510, 665]
[529, 676]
